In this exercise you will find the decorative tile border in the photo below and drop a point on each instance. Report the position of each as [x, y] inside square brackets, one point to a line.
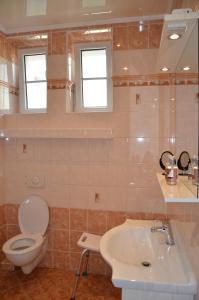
[155, 80]
[137, 80]
[56, 84]
[7, 49]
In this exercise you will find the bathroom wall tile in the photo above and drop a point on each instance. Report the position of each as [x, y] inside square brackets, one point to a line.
[119, 122]
[133, 59]
[58, 42]
[12, 195]
[40, 150]
[60, 150]
[79, 196]
[12, 230]
[56, 66]
[2, 215]
[98, 174]
[97, 265]
[99, 150]
[143, 175]
[97, 221]
[61, 260]
[78, 219]
[74, 261]
[59, 173]
[150, 200]
[131, 202]
[47, 262]
[3, 236]
[56, 107]
[121, 96]
[62, 195]
[10, 150]
[78, 150]
[119, 149]
[25, 149]
[59, 218]
[150, 122]
[74, 237]
[137, 39]
[61, 240]
[50, 237]
[108, 198]
[155, 31]
[78, 173]
[115, 219]
[11, 214]
[120, 38]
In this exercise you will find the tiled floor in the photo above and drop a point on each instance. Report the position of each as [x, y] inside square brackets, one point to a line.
[53, 284]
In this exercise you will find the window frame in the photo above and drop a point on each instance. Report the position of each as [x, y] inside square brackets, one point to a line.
[78, 76]
[22, 80]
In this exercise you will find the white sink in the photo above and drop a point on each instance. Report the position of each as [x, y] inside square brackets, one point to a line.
[128, 246]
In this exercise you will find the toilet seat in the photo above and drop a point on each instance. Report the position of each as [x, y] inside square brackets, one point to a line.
[33, 215]
[31, 241]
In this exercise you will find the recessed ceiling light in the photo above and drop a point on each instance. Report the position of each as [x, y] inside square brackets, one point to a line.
[164, 69]
[125, 68]
[118, 45]
[174, 36]
[187, 68]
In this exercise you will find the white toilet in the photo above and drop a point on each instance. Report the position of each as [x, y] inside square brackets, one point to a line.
[27, 249]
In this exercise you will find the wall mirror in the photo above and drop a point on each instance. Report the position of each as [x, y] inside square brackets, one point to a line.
[186, 98]
[178, 65]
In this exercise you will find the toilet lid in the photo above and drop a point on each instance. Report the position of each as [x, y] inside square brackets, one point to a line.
[33, 215]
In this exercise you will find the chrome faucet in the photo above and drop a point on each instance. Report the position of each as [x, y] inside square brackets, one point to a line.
[166, 229]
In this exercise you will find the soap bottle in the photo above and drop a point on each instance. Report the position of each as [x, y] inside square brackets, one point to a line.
[191, 168]
[195, 170]
[171, 171]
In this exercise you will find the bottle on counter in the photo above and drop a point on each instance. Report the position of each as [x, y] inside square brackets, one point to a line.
[171, 171]
[194, 170]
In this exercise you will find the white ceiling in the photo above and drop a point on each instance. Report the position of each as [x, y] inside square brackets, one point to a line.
[26, 15]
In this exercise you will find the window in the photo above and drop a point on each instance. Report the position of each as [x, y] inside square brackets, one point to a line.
[33, 83]
[93, 77]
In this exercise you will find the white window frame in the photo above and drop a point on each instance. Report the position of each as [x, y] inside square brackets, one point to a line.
[78, 74]
[22, 87]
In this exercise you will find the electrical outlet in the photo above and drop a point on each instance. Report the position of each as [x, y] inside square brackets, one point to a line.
[35, 181]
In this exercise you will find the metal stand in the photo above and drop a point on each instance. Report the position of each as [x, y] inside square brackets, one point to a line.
[83, 262]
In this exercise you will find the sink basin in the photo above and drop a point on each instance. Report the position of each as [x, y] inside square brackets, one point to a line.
[142, 260]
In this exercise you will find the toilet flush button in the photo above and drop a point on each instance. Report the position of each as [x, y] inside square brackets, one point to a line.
[35, 181]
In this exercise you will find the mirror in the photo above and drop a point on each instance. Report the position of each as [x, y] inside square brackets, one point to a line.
[180, 106]
[164, 159]
[186, 99]
[183, 163]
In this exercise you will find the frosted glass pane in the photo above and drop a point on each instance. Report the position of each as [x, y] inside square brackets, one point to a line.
[35, 67]
[95, 93]
[36, 95]
[94, 63]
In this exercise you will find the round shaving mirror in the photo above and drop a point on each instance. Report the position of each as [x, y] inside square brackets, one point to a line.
[183, 162]
[165, 158]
